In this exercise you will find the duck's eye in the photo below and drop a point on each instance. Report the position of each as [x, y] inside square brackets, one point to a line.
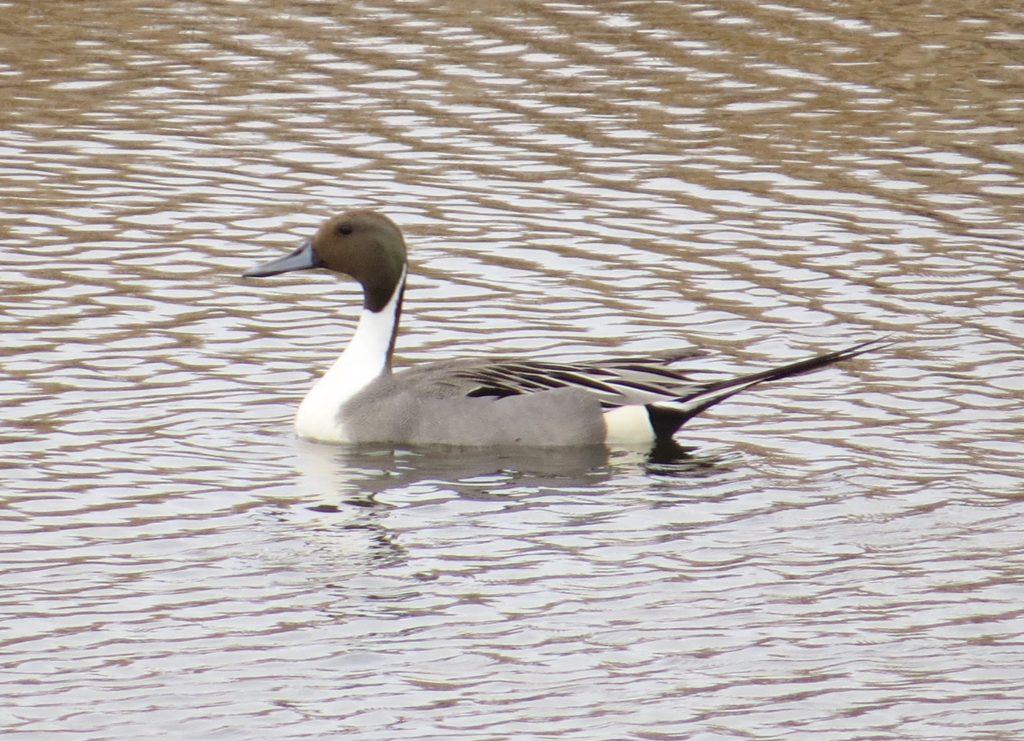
[345, 229]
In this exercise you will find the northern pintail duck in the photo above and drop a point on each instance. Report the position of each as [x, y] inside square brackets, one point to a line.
[495, 402]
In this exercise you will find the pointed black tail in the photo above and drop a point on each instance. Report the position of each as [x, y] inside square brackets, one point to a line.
[667, 417]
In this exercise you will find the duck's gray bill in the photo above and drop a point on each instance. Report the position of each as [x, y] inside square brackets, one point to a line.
[303, 258]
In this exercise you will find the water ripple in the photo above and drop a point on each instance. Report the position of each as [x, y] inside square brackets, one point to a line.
[838, 558]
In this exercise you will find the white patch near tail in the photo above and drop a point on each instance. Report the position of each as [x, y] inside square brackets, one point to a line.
[628, 424]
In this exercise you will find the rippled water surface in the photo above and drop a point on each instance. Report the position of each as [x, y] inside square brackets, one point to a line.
[840, 560]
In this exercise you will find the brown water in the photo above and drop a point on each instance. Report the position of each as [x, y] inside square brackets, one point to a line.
[842, 561]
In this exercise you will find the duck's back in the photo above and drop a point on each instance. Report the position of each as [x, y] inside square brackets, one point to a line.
[432, 405]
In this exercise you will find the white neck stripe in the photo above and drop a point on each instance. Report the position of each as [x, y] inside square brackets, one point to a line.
[366, 358]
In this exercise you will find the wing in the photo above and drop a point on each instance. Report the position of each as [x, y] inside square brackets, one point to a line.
[614, 382]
